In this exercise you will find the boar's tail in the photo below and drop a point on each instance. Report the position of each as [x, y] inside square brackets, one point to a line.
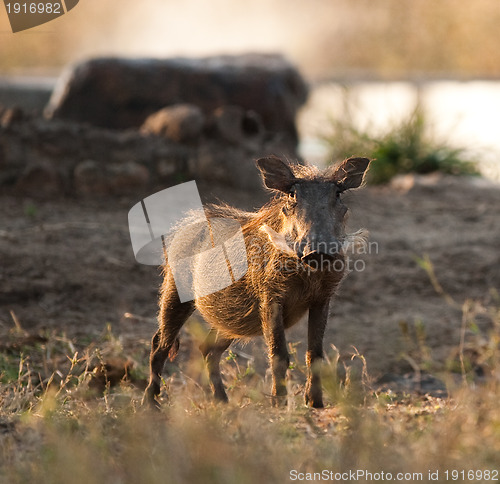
[174, 350]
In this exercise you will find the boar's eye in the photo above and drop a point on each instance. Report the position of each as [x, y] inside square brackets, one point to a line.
[292, 193]
[337, 191]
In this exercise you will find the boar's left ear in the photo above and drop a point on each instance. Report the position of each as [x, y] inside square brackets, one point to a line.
[276, 173]
[350, 173]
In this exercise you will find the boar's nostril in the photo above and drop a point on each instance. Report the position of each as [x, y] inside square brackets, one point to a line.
[331, 248]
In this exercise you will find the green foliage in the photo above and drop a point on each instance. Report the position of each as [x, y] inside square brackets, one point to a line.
[405, 148]
[30, 210]
[9, 367]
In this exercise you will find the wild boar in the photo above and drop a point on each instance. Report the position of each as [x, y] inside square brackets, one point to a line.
[295, 250]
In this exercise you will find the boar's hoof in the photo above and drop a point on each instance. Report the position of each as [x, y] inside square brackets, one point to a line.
[313, 398]
[149, 400]
[279, 400]
[220, 396]
[314, 403]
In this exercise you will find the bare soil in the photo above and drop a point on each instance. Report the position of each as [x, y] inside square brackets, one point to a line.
[67, 267]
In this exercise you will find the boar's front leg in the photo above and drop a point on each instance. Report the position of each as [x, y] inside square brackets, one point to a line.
[274, 334]
[318, 315]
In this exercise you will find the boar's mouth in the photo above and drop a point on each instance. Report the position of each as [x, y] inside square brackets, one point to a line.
[351, 242]
[321, 260]
[318, 261]
[302, 251]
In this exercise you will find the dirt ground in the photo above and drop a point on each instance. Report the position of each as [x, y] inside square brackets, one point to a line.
[67, 267]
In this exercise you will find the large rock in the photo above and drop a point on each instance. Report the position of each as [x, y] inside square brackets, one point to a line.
[122, 93]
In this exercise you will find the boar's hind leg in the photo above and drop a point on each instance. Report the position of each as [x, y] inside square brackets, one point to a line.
[318, 315]
[172, 316]
[274, 334]
[212, 348]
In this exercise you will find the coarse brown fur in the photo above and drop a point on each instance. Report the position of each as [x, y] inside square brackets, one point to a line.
[278, 288]
[235, 312]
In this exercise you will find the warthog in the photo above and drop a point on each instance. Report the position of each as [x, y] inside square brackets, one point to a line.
[295, 250]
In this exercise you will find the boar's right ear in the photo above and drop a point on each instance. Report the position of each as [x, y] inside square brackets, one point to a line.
[276, 173]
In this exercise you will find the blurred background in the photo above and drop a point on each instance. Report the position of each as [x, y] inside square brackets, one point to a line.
[334, 39]
[380, 58]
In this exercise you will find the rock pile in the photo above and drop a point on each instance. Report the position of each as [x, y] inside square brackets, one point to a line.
[117, 126]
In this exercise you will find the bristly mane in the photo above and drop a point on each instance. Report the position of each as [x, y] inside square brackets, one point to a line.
[270, 213]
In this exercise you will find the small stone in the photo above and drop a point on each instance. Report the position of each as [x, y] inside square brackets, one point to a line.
[180, 123]
[166, 168]
[10, 116]
[126, 178]
[91, 177]
[40, 179]
[239, 126]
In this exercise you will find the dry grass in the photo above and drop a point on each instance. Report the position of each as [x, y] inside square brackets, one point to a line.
[71, 414]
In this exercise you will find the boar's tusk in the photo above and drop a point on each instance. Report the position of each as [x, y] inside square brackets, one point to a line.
[278, 240]
[356, 241]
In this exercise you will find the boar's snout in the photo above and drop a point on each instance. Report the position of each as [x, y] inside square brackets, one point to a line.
[314, 247]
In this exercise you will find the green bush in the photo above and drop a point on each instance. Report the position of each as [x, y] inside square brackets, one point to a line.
[405, 148]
